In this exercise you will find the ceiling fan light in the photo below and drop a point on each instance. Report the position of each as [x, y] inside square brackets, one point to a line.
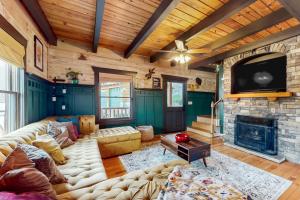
[187, 58]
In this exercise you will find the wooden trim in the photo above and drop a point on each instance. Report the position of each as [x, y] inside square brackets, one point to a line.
[35, 11]
[292, 6]
[277, 37]
[261, 24]
[174, 78]
[8, 28]
[226, 11]
[207, 69]
[165, 7]
[112, 71]
[98, 24]
[271, 96]
[105, 122]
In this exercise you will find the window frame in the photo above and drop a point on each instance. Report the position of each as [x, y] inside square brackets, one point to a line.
[171, 93]
[113, 121]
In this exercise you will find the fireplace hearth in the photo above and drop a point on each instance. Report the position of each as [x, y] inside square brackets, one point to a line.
[258, 134]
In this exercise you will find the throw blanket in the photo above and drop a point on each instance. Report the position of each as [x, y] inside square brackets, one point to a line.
[186, 183]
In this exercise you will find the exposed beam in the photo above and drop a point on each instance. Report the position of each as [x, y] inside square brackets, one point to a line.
[226, 11]
[98, 24]
[277, 37]
[165, 7]
[293, 6]
[259, 25]
[34, 9]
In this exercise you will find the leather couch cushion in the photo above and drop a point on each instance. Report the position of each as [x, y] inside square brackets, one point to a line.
[118, 134]
[84, 166]
[137, 185]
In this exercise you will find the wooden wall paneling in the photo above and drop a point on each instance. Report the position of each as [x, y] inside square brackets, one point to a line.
[34, 9]
[157, 17]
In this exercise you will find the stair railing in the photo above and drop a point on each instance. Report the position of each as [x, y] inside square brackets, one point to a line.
[213, 106]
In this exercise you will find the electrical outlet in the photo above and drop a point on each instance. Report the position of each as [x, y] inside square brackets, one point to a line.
[63, 107]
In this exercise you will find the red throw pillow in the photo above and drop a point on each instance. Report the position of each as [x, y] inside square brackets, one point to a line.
[76, 131]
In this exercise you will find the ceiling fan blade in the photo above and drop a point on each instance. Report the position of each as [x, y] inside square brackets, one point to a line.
[166, 51]
[203, 50]
[180, 45]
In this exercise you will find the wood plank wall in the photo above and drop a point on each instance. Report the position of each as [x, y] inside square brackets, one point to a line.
[65, 55]
[17, 16]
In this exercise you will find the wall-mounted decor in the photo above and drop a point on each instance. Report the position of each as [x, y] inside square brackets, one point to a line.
[149, 75]
[156, 83]
[73, 76]
[38, 54]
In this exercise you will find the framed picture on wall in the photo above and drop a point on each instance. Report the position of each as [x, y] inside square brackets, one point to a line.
[38, 54]
[156, 83]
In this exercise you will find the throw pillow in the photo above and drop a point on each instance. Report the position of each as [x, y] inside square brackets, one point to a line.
[74, 120]
[44, 163]
[26, 180]
[48, 144]
[23, 196]
[60, 133]
[63, 139]
[16, 159]
[76, 131]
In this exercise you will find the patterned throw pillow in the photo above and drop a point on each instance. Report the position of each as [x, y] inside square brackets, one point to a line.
[60, 133]
[48, 144]
[63, 139]
[23, 196]
[74, 120]
[44, 163]
[26, 180]
[16, 159]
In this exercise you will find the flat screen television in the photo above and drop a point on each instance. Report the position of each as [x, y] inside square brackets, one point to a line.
[260, 73]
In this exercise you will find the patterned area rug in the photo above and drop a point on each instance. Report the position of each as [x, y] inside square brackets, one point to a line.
[257, 183]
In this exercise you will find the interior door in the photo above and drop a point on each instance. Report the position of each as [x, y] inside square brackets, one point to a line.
[174, 103]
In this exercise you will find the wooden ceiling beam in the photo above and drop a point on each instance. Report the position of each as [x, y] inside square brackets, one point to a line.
[292, 6]
[277, 37]
[35, 11]
[165, 7]
[98, 24]
[226, 11]
[259, 25]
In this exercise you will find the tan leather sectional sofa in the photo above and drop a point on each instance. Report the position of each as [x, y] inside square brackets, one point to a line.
[87, 179]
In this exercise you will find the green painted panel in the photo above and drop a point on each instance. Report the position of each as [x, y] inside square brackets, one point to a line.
[221, 95]
[200, 105]
[148, 109]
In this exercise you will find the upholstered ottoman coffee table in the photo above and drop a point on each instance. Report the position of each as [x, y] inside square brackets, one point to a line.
[117, 141]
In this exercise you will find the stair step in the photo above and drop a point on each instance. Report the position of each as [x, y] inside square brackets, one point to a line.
[200, 125]
[200, 132]
[207, 120]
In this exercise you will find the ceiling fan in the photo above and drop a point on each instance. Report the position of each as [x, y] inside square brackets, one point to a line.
[182, 53]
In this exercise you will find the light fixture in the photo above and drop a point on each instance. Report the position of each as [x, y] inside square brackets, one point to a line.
[182, 58]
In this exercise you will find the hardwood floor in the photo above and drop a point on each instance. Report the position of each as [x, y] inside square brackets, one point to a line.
[286, 170]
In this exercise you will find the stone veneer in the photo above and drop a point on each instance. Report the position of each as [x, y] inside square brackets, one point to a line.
[286, 110]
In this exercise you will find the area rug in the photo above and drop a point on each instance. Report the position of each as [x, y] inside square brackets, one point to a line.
[257, 183]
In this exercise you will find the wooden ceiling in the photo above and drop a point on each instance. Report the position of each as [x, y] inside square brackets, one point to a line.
[124, 23]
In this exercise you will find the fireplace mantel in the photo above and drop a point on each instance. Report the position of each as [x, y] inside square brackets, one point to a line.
[271, 96]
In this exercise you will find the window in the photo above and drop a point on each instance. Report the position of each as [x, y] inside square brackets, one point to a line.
[175, 94]
[11, 97]
[115, 96]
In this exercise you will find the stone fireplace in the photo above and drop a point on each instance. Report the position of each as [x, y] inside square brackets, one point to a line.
[286, 111]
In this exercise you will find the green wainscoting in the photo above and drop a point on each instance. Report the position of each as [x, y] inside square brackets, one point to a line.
[78, 99]
[149, 109]
[200, 105]
[36, 98]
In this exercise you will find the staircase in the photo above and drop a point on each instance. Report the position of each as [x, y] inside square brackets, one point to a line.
[207, 126]
[203, 126]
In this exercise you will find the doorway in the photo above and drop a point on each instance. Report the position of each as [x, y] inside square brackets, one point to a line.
[175, 94]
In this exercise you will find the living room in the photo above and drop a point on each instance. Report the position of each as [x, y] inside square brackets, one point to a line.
[149, 99]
